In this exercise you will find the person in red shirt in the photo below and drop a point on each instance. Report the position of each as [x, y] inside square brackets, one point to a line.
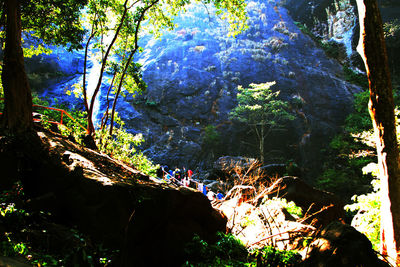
[189, 173]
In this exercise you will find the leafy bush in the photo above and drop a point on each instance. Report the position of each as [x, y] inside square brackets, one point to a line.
[289, 206]
[351, 76]
[270, 257]
[123, 146]
[211, 136]
[227, 251]
[16, 222]
[75, 128]
[367, 207]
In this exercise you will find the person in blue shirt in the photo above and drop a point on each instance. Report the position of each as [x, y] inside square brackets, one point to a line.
[220, 196]
[205, 190]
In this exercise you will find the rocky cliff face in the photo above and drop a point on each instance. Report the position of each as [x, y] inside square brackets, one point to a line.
[193, 73]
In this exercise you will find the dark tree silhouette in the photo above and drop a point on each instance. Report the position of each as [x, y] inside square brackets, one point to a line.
[17, 117]
[381, 107]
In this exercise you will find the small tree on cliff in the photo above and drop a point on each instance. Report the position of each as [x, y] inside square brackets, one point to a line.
[55, 22]
[260, 108]
[381, 107]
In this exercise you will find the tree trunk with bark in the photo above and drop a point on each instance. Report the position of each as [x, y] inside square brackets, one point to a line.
[372, 49]
[17, 117]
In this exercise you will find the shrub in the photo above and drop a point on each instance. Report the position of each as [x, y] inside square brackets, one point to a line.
[16, 222]
[227, 251]
[211, 136]
[367, 207]
[123, 146]
[351, 76]
[270, 257]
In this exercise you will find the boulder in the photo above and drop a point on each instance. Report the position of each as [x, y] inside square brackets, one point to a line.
[269, 224]
[161, 226]
[113, 203]
[322, 207]
[342, 245]
[227, 167]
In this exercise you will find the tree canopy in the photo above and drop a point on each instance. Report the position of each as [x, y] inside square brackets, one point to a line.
[262, 111]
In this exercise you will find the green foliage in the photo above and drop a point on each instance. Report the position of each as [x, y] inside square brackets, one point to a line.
[349, 152]
[151, 103]
[227, 251]
[342, 168]
[270, 257]
[359, 120]
[71, 127]
[52, 22]
[16, 222]
[55, 22]
[36, 50]
[261, 110]
[123, 146]
[359, 79]
[259, 106]
[289, 206]
[211, 137]
[333, 49]
[392, 39]
[368, 208]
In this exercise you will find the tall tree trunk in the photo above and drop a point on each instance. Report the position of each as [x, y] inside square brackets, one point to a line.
[104, 119]
[17, 117]
[91, 128]
[119, 89]
[381, 106]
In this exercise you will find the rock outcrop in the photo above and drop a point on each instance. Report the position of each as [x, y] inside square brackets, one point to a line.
[193, 73]
[114, 204]
[342, 245]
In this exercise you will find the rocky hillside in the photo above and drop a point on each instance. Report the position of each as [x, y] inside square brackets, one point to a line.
[193, 73]
[113, 203]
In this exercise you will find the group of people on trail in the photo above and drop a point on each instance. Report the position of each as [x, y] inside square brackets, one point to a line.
[184, 178]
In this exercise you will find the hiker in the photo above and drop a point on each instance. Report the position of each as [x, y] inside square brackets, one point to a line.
[205, 190]
[189, 173]
[210, 195]
[177, 174]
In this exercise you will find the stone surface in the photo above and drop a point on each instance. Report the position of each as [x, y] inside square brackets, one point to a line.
[193, 73]
[322, 207]
[116, 205]
[342, 245]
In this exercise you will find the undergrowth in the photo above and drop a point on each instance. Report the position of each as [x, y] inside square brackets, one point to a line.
[230, 251]
[25, 236]
[121, 145]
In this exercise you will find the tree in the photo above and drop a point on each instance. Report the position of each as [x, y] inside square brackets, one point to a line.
[43, 18]
[123, 47]
[259, 108]
[17, 116]
[372, 49]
